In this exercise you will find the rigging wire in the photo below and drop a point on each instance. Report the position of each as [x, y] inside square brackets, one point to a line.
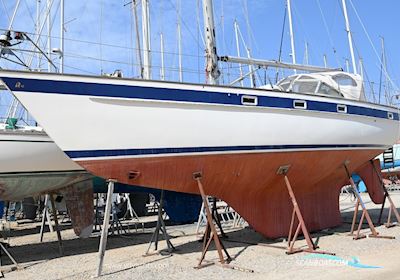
[185, 24]
[372, 45]
[328, 32]
[198, 24]
[250, 34]
[105, 44]
[29, 12]
[6, 10]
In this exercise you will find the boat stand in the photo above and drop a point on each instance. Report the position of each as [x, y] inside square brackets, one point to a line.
[210, 232]
[46, 216]
[392, 207]
[106, 224]
[365, 214]
[15, 265]
[216, 217]
[160, 228]
[97, 214]
[133, 215]
[116, 226]
[296, 213]
[53, 206]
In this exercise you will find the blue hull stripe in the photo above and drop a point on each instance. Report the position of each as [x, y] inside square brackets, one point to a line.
[165, 94]
[165, 151]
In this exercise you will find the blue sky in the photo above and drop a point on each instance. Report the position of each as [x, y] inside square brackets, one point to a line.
[108, 26]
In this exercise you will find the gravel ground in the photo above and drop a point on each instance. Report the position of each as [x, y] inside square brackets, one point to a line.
[124, 256]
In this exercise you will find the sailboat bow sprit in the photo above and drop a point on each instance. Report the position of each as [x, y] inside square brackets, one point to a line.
[163, 132]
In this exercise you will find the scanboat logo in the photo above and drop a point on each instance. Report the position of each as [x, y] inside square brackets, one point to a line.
[329, 260]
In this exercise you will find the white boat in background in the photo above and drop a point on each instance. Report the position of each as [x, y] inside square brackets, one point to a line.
[31, 164]
[29, 149]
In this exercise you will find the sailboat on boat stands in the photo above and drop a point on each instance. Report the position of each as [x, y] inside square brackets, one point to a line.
[155, 133]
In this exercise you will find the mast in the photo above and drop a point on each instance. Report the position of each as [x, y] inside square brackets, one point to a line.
[62, 36]
[49, 34]
[138, 47]
[37, 31]
[212, 70]
[14, 14]
[37, 41]
[291, 33]
[325, 61]
[251, 70]
[12, 111]
[306, 55]
[162, 70]
[238, 49]
[179, 42]
[146, 40]
[383, 72]
[349, 37]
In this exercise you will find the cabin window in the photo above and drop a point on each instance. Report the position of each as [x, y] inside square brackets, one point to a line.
[285, 86]
[299, 104]
[344, 80]
[390, 116]
[327, 90]
[305, 87]
[341, 108]
[249, 100]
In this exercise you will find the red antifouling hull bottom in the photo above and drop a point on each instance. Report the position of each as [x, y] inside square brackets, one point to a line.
[249, 182]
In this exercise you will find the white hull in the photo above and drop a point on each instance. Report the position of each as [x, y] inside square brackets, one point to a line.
[158, 134]
[138, 127]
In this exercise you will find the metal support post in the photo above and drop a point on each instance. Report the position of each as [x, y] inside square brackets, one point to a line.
[132, 212]
[53, 206]
[296, 213]
[210, 232]
[392, 207]
[15, 266]
[160, 228]
[364, 214]
[106, 224]
[45, 216]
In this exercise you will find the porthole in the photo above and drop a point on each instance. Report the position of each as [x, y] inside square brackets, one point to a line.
[341, 108]
[299, 104]
[249, 100]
